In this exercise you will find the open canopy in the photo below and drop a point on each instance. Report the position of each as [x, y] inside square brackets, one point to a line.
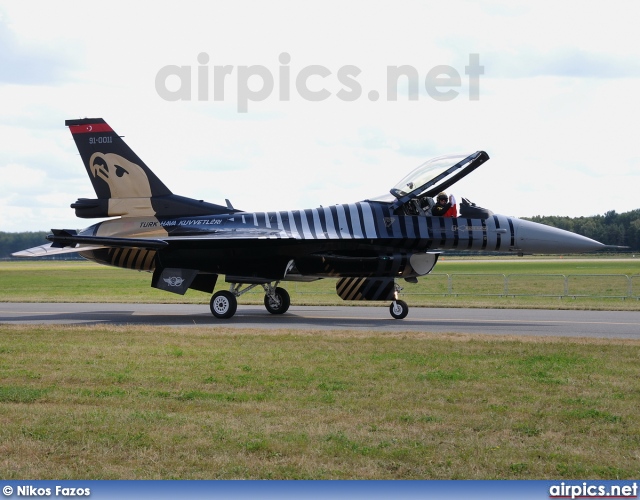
[433, 176]
[436, 175]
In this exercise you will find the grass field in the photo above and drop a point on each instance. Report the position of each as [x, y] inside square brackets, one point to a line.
[105, 402]
[478, 283]
[151, 403]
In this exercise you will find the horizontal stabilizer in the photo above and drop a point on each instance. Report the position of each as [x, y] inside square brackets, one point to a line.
[69, 238]
[48, 249]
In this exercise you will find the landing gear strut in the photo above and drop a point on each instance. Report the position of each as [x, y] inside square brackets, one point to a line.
[398, 308]
[225, 302]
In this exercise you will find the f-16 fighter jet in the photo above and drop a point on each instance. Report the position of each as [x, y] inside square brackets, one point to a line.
[366, 246]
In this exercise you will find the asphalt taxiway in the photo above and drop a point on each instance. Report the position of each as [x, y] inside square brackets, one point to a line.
[525, 322]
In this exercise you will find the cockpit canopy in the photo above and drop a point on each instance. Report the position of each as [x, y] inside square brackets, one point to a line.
[430, 178]
[437, 174]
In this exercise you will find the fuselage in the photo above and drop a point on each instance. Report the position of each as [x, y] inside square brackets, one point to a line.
[357, 239]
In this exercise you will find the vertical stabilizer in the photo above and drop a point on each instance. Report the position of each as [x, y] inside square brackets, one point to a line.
[124, 184]
[114, 169]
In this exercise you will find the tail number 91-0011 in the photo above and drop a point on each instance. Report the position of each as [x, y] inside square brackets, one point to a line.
[101, 140]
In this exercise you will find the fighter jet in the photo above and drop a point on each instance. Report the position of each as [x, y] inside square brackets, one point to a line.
[366, 246]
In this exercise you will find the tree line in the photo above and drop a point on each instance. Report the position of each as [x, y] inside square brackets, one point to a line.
[14, 242]
[611, 229]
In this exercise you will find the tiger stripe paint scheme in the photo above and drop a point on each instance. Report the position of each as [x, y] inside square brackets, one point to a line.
[329, 233]
[356, 221]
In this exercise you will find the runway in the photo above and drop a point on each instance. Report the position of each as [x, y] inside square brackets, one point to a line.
[525, 322]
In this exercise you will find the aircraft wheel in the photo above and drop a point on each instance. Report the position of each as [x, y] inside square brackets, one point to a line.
[279, 303]
[223, 304]
[399, 309]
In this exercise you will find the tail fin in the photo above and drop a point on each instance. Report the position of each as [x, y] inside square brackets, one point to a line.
[125, 185]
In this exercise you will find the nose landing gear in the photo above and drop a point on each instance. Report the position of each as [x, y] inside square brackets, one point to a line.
[398, 308]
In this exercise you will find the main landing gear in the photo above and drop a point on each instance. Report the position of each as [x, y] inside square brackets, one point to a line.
[225, 302]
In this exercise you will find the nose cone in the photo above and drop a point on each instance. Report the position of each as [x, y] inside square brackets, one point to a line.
[532, 237]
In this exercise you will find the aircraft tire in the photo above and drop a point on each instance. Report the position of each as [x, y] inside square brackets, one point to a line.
[281, 303]
[223, 304]
[399, 309]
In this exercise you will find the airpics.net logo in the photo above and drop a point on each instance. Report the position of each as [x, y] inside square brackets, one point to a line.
[257, 83]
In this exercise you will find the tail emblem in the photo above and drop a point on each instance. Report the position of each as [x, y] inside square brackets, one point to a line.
[124, 178]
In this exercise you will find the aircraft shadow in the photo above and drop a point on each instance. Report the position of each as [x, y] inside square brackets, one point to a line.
[319, 318]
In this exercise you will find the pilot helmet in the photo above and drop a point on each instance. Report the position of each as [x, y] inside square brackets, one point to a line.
[443, 196]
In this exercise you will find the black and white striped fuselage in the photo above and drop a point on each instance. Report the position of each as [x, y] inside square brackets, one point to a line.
[356, 239]
[369, 221]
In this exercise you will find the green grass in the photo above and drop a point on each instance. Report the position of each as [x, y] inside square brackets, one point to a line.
[532, 283]
[151, 403]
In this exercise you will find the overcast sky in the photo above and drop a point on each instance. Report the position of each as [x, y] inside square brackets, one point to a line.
[556, 106]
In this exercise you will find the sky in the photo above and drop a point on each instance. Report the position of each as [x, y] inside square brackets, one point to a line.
[287, 105]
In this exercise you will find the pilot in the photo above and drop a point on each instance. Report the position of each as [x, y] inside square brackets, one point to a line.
[445, 206]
